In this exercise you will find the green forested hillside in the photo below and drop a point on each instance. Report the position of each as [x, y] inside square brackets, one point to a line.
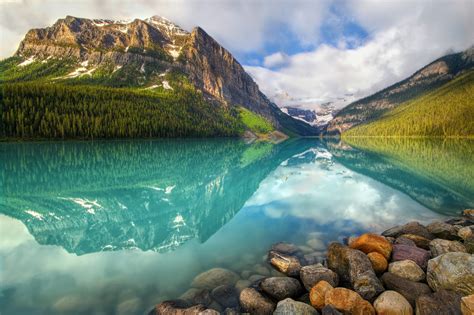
[45, 110]
[446, 112]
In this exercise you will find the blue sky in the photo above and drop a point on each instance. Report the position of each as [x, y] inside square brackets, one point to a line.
[308, 51]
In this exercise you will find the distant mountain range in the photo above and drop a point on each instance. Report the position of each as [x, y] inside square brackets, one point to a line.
[431, 78]
[170, 83]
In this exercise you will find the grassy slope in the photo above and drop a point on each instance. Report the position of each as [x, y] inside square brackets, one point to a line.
[254, 122]
[450, 162]
[446, 112]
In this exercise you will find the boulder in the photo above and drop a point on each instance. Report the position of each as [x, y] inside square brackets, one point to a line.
[404, 241]
[280, 288]
[466, 232]
[180, 308]
[468, 213]
[261, 270]
[362, 307]
[330, 310]
[369, 242]
[378, 261]
[289, 265]
[253, 302]
[353, 267]
[242, 284]
[409, 228]
[392, 303]
[409, 289]
[452, 271]
[197, 296]
[344, 300]
[439, 247]
[255, 279]
[226, 295]
[214, 278]
[441, 302]
[469, 244]
[407, 269]
[443, 230]
[314, 258]
[467, 305]
[419, 241]
[463, 221]
[316, 244]
[317, 294]
[418, 255]
[289, 306]
[310, 275]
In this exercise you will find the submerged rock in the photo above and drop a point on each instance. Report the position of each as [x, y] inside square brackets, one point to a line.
[226, 295]
[418, 255]
[253, 302]
[439, 247]
[353, 266]
[280, 288]
[310, 275]
[180, 308]
[409, 289]
[214, 278]
[289, 265]
[392, 303]
[407, 269]
[452, 271]
[289, 306]
[441, 302]
[369, 242]
[197, 296]
[317, 295]
[409, 228]
[286, 248]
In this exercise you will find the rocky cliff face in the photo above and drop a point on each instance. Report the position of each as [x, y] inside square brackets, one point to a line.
[155, 43]
[424, 80]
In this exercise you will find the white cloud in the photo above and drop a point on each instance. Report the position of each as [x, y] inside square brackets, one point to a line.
[403, 37]
[275, 60]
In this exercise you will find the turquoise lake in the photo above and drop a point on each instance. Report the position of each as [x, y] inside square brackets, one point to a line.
[114, 227]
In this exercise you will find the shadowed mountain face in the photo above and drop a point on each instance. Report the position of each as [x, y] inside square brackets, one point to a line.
[152, 195]
[437, 174]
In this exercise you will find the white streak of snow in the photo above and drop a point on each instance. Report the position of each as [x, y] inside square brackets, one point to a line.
[35, 214]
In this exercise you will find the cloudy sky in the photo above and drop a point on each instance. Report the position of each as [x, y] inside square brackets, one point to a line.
[312, 50]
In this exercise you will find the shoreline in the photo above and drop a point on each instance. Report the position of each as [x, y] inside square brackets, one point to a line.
[407, 269]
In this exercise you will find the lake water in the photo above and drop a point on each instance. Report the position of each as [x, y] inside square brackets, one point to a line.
[115, 227]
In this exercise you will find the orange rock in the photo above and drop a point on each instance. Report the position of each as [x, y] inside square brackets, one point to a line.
[362, 307]
[317, 294]
[373, 243]
[342, 299]
[467, 305]
[378, 261]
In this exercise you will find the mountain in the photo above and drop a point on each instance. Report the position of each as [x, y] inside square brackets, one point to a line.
[186, 82]
[448, 111]
[427, 79]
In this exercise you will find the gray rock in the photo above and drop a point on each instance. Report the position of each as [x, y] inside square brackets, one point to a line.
[214, 278]
[180, 307]
[460, 221]
[409, 228]
[353, 267]
[418, 255]
[330, 310]
[256, 278]
[392, 303]
[469, 244]
[452, 271]
[291, 307]
[289, 265]
[443, 230]
[286, 248]
[253, 302]
[313, 258]
[226, 295]
[410, 290]
[419, 241]
[310, 275]
[439, 247]
[280, 288]
[442, 302]
[407, 269]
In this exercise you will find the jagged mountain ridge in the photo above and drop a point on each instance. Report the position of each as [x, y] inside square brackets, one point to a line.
[422, 81]
[149, 44]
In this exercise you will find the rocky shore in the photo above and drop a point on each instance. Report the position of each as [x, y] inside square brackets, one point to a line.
[408, 269]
